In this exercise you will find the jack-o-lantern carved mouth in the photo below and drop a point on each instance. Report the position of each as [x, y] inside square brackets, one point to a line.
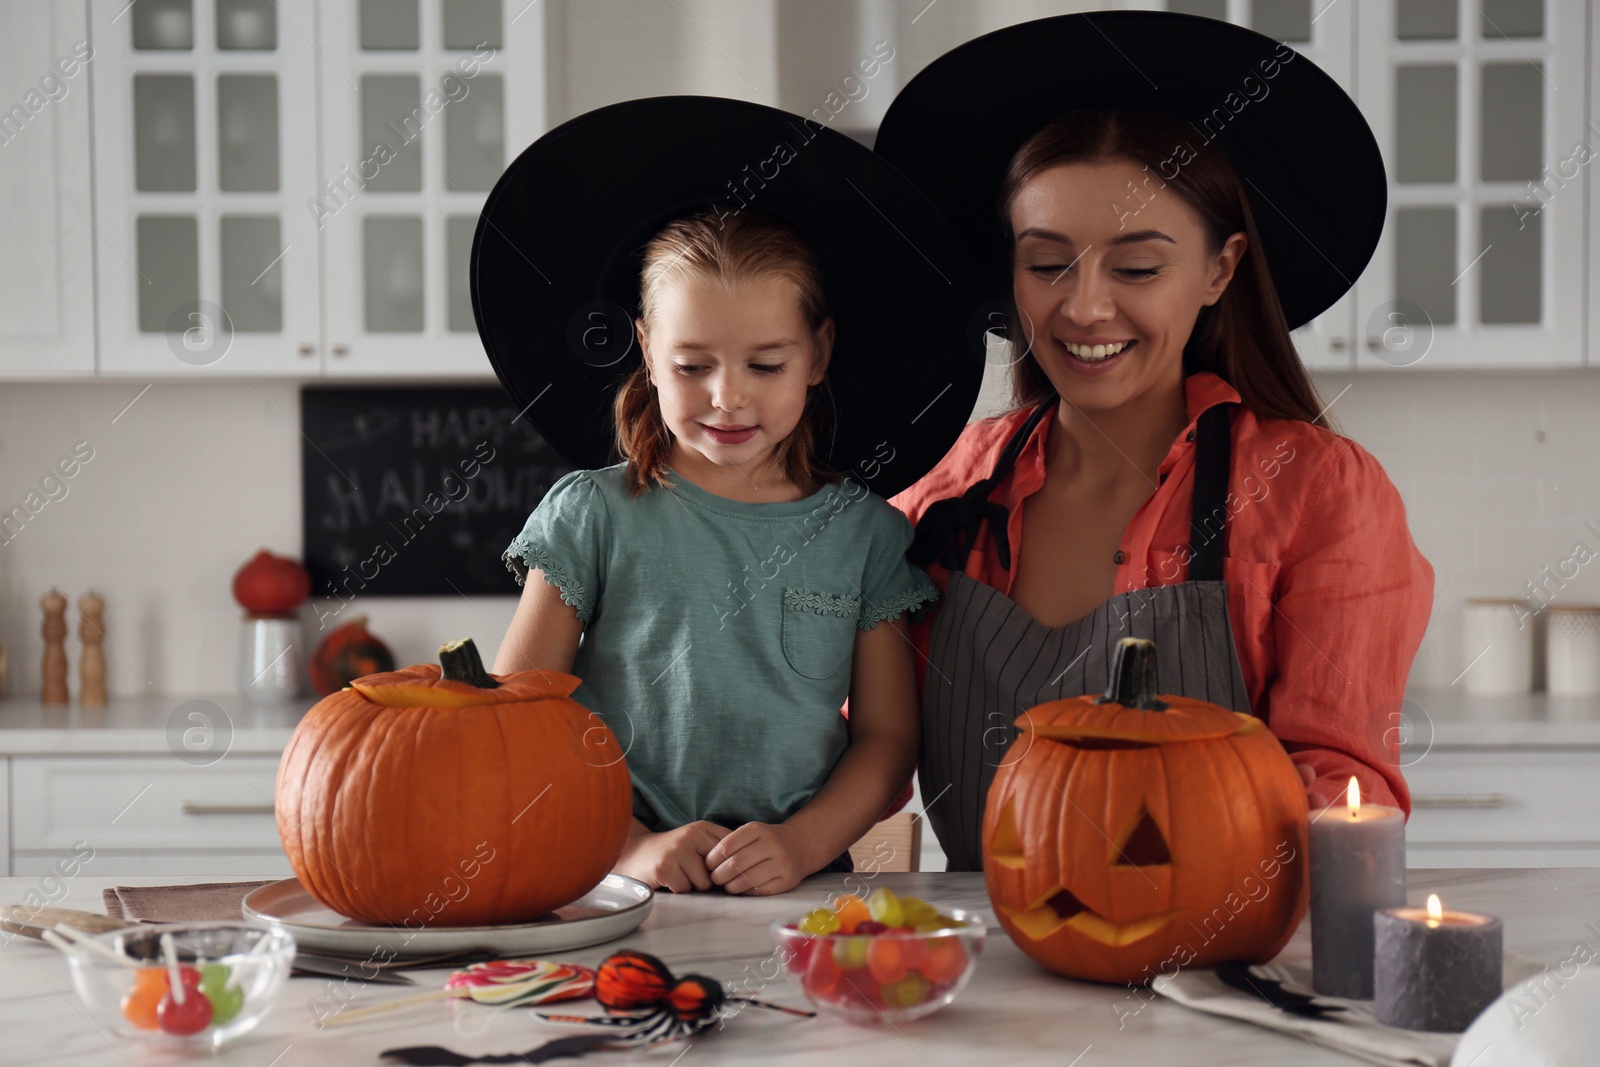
[1140, 844]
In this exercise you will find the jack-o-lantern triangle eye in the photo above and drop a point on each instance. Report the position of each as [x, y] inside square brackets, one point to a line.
[1143, 844]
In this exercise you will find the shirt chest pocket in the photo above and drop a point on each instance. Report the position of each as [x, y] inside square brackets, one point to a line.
[819, 631]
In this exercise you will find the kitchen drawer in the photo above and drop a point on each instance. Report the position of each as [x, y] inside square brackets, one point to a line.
[200, 864]
[154, 803]
[1505, 798]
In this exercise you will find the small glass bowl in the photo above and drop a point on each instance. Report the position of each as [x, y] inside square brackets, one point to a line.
[891, 977]
[124, 999]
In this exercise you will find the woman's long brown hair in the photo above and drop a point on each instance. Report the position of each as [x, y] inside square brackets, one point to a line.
[1243, 338]
[750, 246]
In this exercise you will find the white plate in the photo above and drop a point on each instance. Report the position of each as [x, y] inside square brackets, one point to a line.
[287, 906]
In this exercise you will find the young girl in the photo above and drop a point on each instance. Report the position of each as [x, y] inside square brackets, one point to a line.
[719, 593]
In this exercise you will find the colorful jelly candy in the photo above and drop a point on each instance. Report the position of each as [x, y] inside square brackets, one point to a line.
[906, 992]
[946, 959]
[820, 922]
[873, 956]
[192, 1013]
[225, 1001]
[822, 974]
[885, 962]
[850, 953]
[852, 911]
[885, 907]
[139, 1003]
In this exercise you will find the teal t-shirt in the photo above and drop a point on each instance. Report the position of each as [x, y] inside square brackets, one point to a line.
[718, 635]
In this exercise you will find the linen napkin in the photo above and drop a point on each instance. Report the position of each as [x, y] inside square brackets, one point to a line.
[1355, 1030]
[206, 902]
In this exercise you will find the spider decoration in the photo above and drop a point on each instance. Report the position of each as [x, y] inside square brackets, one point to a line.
[644, 1002]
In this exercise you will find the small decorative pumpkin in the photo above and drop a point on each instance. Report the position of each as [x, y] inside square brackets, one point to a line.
[345, 654]
[271, 585]
[447, 796]
[1135, 834]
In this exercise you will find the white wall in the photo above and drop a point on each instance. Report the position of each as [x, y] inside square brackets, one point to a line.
[183, 487]
[1499, 473]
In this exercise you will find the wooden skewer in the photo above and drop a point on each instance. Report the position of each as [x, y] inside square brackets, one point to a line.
[340, 1018]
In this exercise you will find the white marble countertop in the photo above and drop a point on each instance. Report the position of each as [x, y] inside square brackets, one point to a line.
[1012, 1012]
[131, 726]
[1437, 719]
[1450, 718]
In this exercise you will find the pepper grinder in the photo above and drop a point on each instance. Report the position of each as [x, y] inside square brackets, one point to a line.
[53, 665]
[92, 667]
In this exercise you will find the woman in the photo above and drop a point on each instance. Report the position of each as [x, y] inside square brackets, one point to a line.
[1168, 470]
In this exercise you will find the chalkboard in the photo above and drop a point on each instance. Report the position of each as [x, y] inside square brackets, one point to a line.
[416, 491]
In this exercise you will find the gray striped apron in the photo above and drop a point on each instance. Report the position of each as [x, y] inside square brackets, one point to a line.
[989, 660]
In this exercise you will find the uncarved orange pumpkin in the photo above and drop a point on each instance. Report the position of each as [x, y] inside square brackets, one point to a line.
[1127, 835]
[447, 796]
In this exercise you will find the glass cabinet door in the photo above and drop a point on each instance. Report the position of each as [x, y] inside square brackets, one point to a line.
[206, 152]
[1324, 33]
[1479, 110]
[425, 102]
[46, 269]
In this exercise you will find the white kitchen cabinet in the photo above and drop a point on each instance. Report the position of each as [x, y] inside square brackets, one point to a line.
[1326, 34]
[5, 817]
[146, 814]
[1479, 109]
[205, 155]
[291, 187]
[1592, 265]
[423, 104]
[1510, 807]
[46, 271]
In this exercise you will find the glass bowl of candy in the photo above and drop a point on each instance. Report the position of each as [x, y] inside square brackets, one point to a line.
[196, 984]
[885, 958]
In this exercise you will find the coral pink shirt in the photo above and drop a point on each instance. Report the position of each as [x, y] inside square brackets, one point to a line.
[1327, 594]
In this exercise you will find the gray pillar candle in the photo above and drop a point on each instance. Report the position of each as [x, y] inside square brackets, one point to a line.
[1436, 973]
[1358, 864]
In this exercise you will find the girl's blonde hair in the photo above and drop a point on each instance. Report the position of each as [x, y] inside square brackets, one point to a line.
[749, 246]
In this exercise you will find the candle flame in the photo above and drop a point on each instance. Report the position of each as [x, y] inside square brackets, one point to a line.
[1352, 796]
[1435, 909]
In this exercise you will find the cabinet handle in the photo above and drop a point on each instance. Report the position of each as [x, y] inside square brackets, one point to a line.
[308, 350]
[1336, 344]
[341, 350]
[1460, 800]
[189, 807]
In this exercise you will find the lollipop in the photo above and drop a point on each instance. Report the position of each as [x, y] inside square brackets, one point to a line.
[495, 982]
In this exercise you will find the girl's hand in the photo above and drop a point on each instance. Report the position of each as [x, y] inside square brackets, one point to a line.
[758, 858]
[673, 859]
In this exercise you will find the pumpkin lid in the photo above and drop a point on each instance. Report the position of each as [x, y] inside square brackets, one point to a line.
[1130, 711]
[459, 680]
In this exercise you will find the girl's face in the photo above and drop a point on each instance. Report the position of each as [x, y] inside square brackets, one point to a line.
[1104, 256]
[731, 368]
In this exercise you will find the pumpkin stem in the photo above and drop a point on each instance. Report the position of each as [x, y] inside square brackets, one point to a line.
[459, 662]
[1133, 676]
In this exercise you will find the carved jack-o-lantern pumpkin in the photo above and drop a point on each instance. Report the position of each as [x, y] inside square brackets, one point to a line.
[1136, 834]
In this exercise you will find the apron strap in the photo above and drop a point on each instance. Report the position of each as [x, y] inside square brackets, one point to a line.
[1213, 460]
[950, 527]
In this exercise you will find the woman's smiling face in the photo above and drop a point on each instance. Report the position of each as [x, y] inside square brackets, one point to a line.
[1094, 264]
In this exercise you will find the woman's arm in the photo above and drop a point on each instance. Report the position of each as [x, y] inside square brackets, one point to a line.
[1353, 603]
[884, 734]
